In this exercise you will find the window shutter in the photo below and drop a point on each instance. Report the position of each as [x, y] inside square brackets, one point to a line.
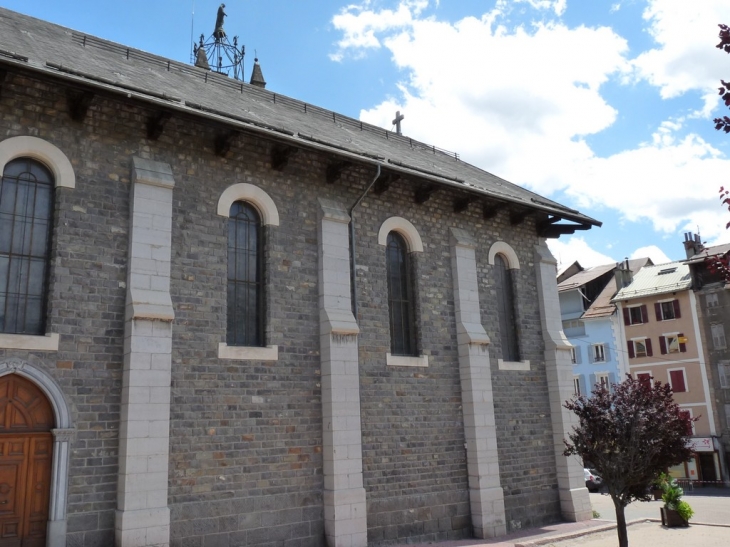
[589, 350]
[611, 380]
[631, 349]
[648, 348]
[662, 345]
[577, 355]
[677, 379]
[607, 352]
[644, 378]
[644, 314]
[724, 369]
[658, 311]
[627, 317]
[582, 381]
[593, 381]
[682, 345]
[677, 315]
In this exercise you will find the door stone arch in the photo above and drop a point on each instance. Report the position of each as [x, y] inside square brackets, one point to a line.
[61, 432]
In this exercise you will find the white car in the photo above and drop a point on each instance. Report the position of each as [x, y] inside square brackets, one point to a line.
[593, 481]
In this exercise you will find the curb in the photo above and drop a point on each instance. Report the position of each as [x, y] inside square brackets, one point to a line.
[601, 528]
[579, 533]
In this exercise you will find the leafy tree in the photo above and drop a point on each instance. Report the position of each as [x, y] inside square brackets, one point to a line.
[718, 263]
[630, 434]
[724, 122]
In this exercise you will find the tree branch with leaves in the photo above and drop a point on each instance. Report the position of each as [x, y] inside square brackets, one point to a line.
[630, 435]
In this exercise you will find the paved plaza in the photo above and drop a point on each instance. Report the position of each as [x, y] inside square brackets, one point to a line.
[709, 526]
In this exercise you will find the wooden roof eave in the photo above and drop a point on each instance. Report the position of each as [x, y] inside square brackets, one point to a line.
[158, 103]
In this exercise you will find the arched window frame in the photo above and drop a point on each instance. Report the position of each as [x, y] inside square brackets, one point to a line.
[60, 167]
[508, 255]
[262, 203]
[414, 244]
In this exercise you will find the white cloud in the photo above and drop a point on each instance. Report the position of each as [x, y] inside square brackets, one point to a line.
[684, 58]
[652, 251]
[521, 100]
[360, 24]
[567, 251]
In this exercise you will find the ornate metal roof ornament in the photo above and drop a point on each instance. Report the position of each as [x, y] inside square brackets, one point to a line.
[217, 53]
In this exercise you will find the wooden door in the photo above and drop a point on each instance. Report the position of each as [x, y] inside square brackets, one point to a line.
[26, 443]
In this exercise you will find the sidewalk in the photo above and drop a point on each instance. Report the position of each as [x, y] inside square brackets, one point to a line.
[600, 533]
[710, 526]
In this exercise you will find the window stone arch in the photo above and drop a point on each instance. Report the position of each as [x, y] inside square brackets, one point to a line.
[500, 247]
[404, 228]
[43, 151]
[251, 194]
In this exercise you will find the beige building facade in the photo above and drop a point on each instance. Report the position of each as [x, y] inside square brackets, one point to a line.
[663, 343]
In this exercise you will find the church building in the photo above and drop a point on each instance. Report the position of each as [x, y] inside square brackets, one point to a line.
[229, 317]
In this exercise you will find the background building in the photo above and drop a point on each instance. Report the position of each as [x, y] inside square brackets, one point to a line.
[591, 323]
[664, 343]
[713, 312]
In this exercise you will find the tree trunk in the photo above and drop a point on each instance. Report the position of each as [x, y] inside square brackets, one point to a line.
[623, 535]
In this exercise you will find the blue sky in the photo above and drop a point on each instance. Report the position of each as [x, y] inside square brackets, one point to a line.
[605, 106]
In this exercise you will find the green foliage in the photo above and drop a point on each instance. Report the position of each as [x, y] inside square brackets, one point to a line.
[672, 494]
[596, 514]
[684, 510]
[661, 480]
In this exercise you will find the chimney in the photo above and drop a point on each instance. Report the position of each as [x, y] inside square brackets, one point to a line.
[257, 76]
[623, 274]
[692, 244]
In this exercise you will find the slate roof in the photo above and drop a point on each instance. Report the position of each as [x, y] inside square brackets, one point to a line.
[602, 306]
[659, 279]
[87, 62]
[709, 251]
[583, 277]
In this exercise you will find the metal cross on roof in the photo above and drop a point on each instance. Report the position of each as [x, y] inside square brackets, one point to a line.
[396, 122]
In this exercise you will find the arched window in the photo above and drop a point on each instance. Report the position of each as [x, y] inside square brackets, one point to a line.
[400, 297]
[245, 277]
[26, 210]
[506, 310]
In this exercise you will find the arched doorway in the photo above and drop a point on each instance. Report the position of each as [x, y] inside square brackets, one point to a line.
[26, 445]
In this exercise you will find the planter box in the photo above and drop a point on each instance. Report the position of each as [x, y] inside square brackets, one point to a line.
[657, 493]
[671, 518]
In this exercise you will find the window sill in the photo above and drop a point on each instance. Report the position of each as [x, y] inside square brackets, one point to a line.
[406, 360]
[49, 342]
[513, 365]
[248, 353]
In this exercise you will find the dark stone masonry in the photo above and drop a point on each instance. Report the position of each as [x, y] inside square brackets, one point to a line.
[247, 454]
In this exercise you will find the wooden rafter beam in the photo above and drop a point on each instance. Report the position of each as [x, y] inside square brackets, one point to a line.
[519, 217]
[156, 124]
[424, 193]
[489, 211]
[78, 104]
[334, 171]
[384, 182]
[462, 204]
[557, 230]
[223, 142]
[280, 155]
[3, 78]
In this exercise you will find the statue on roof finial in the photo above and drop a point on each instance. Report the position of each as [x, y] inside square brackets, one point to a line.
[219, 33]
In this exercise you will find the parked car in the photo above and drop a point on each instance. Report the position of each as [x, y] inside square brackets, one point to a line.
[593, 481]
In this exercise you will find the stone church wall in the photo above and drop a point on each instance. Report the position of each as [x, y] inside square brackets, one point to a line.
[246, 437]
